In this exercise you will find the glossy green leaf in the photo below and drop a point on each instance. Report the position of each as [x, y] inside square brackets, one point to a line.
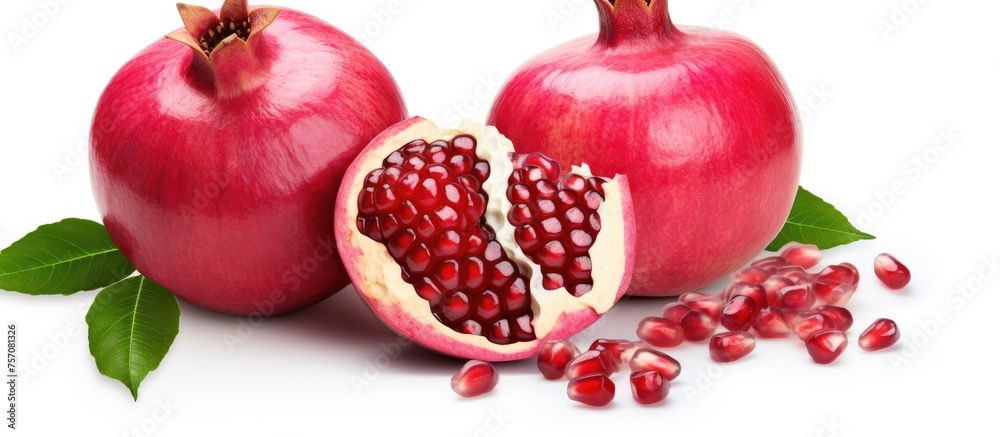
[814, 221]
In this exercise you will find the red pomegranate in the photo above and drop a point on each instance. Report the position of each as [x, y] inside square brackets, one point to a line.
[216, 154]
[699, 120]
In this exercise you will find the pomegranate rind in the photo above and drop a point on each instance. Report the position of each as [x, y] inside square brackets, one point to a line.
[557, 314]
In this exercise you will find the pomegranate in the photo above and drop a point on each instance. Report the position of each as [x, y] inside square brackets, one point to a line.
[648, 387]
[826, 346]
[891, 272]
[554, 356]
[731, 346]
[475, 378]
[700, 120]
[660, 332]
[596, 390]
[648, 359]
[466, 248]
[215, 154]
[880, 335]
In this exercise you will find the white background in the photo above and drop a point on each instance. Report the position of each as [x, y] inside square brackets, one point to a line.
[874, 101]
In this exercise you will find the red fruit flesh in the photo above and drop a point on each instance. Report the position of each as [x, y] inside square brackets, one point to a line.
[752, 275]
[228, 201]
[649, 387]
[807, 325]
[592, 362]
[754, 291]
[770, 324]
[796, 274]
[833, 294]
[648, 359]
[697, 326]
[772, 286]
[708, 304]
[802, 255]
[731, 346]
[891, 272]
[799, 297]
[692, 115]
[841, 317]
[555, 356]
[739, 314]
[476, 378]
[660, 332]
[825, 346]
[466, 247]
[675, 311]
[596, 390]
[617, 349]
[770, 264]
[880, 335]
[839, 274]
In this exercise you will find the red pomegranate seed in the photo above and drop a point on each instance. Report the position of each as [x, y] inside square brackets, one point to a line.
[833, 294]
[474, 379]
[554, 356]
[802, 255]
[596, 390]
[753, 291]
[754, 275]
[839, 274]
[770, 264]
[697, 326]
[825, 346]
[811, 324]
[660, 332]
[770, 324]
[649, 387]
[880, 335]
[891, 272]
[648, 359]
[708, 304]
[799, 297]
[617, 349]
[796, 274]
[675, 311]
[772, 286]
[841, 317]
[739, 313]
[591, 362]
[731, 346]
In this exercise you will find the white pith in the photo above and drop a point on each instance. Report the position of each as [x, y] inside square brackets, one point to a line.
[383, 277]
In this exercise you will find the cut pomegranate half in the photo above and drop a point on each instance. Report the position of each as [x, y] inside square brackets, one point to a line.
[467, 248]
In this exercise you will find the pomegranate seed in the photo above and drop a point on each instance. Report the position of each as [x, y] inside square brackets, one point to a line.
[474, 379]
[811, 324]
[649, 387]
[841, 317]
[648, 359]
[697, 326]
[675, 311]
[833, 294]
[708, 304]
[770, 264]
[753, 291]
[731, 346]
[796, 274]
[754, 275]
[825, 346]
[739, 313]
[802, 255]
[615, 348]
[596, 390]
[891, 272]
[857, 274]
[799, 297]
[880, 335]
[838, 274]
[591, 362]
[770, 324]
[554, 356]
[771, 287]
[660, 332]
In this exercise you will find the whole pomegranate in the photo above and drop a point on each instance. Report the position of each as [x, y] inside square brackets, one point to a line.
[467, 248]
[700, 121]
[216, 154]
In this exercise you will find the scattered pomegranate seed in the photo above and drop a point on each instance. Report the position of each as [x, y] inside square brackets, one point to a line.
[839, 274]
[833, 294]
[753, 291]
[799, 297]
[769, 323]
[770, 264]
[796, 274]
[739, 313]
[891, 272]
[596, 390]
[475, 378]
[648, 359]
[660, 332]
[649, 387]
[615, 348]
[554, 356]
[841, 317]
[708, 304]
[857, 274]
[697, 326]
[591, 362]
[802, 255]
[772, 286]
[731, 346]
[754, 275]
[825, 346]
[880, 335]
[812, 323]
[675, 311]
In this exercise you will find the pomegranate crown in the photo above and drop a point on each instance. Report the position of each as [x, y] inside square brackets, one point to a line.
[236, 24]
[631, 20]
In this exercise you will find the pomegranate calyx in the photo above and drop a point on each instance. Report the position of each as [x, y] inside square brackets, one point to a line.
[633, 20]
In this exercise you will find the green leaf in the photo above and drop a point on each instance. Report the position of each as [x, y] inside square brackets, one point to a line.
[63, 258]
[131, 326]
[813, 221]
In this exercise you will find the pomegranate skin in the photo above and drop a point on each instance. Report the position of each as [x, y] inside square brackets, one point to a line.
[219, 184]
[699, 120]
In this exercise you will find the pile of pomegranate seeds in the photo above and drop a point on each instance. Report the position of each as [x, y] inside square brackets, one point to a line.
[774, 297]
